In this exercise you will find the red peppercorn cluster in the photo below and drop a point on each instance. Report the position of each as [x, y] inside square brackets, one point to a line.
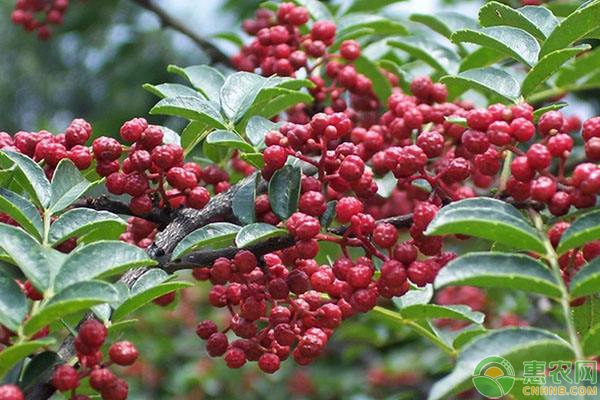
[574, 259]
[147, 169]
[280, 48]
[92, 335]
[38, 15]
[51, 149]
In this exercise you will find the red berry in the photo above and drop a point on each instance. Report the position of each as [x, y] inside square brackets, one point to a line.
[205, 329]
[542, 189]
[476, 142]
[591, 128]
[197, 198]
[106, 149]
[78, 133]
[592, 149]
[521, 169]
[421, 87]
[269, 363]
[420, 273]
[151, 137]
[324, 31]
[350, 49]
[93, 333]
[118, 390]
[132, 130]
[11, 392]
[80, 156]
[123, 353]
[348, 207]
[235, 357]
[479, 119]
[538, 156]
[431, 142]
[352, 168]
[181, 179]
[522, 129]
[101, 378]
[385, 235]
[65, 378]
[560, 145]
[275, 157]
[550, 123]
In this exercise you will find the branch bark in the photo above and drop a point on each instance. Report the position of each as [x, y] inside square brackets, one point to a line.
[213, 52]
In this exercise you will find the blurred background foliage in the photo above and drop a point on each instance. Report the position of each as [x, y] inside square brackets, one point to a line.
[94, 68]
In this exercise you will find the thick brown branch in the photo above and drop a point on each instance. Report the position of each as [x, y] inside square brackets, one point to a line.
[104, 203]
[213, 52]
[206, 257]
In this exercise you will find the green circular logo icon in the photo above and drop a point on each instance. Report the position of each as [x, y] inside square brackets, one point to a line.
[494, 377]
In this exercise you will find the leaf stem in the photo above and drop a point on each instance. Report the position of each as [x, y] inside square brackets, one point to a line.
[552, 258]
[47, 222]
[417, 328]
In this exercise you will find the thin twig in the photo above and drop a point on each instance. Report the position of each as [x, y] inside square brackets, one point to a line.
[213, 52]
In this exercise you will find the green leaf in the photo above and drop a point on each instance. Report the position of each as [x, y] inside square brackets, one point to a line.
[327, 216]
[229, 139]
[538, 21]
[255, 159]
[489, 219]
[466, 335]
[27, 253]
[514, 344]
[584, 229]
[488, 80]
[446, 22]
[591, 341]
[68, 184]
[376, 24]
[192, 108]
[18, 351]
[242, 203]
[23, 211]
[231, 37]
[171, 90]
[513, 42]
[79, 221]
[257, 128]
[543, 110]
[482, 57]
[317, 10]
[587, 280]
[203, 78]
[575, 27]
[193, 134]
[499, 270]
[368, 5]
[381, 85]
[427, 311]
[415, 296]
[395, 69]
[77, 297]
[170, 136]
[100, 259]
[440, 58]
[31, 177]
[39, 368]
[272, 101]
[257, 232]
[239, 92]
[13, 303]
[386, 185]
[284, 191]
[215, 235]
[541, 17]
[579, 68]
[547, 66]
[148, 287]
